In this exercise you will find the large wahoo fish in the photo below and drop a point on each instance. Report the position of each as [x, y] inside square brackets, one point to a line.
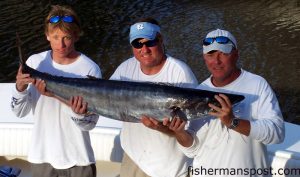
[128, 101]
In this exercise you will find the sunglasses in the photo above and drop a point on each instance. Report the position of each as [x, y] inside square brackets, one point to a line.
[57, 18]
[219, 39]
[138, 45]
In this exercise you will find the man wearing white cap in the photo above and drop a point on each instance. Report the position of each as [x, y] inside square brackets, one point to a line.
[231, 142]
[152, 150]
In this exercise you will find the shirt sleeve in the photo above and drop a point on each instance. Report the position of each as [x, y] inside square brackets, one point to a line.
[116, 75]
[187, 78]
[268, 128]
[84, 122]
[21, 102]
[96, 72]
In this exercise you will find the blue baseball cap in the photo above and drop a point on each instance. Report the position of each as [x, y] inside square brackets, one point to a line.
[143, 30]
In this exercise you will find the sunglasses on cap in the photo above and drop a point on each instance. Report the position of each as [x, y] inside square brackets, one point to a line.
[219, 39]
[138, 45]
[57, 18]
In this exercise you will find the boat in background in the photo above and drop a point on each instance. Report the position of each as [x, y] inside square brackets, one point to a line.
[15, 134]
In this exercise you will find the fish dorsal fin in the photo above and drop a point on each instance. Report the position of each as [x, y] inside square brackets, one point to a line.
[161, 83]
[91, 77]
[164, 83]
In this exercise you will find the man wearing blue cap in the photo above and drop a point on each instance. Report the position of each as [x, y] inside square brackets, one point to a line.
[151, 150]
[235, 141]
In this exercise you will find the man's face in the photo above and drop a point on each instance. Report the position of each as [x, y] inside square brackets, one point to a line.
[221, 65]
[62, 43]
[149, 56]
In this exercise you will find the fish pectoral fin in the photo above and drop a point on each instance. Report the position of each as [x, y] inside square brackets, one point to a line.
[177, 112]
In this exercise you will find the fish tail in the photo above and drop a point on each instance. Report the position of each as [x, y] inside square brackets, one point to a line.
[22, 61]
[18, 43]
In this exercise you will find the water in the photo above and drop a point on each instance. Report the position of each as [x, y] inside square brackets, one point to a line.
[268, 34]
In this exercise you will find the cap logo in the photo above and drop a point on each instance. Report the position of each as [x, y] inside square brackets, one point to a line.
[143, 30]
[140, 26]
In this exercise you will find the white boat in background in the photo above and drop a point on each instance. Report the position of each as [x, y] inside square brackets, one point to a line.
[15, 135]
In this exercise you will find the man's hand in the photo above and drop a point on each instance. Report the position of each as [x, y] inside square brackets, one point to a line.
[22, 80]
[41, 87]
[151, 122]
[177, 125]
[224, 113]
[155, 125]
[78, 105]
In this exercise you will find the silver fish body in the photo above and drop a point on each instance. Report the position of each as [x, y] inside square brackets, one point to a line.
[128, 101]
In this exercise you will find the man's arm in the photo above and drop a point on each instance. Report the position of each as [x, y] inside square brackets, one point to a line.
[21, 101]
[187, 140]
[177, 126]
[268, 127]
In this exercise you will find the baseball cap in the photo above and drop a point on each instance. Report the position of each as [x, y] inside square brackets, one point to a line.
[143, 30]
[225, 47]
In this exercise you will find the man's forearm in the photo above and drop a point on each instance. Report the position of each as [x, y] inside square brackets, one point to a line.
[184, 138]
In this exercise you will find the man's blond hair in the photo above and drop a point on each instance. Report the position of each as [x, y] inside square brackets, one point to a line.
[73, 27]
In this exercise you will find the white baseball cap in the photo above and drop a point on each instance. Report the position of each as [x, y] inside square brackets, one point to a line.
[225, 44]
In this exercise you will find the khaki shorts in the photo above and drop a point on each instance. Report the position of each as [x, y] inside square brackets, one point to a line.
[130, 169]
[46, 170]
